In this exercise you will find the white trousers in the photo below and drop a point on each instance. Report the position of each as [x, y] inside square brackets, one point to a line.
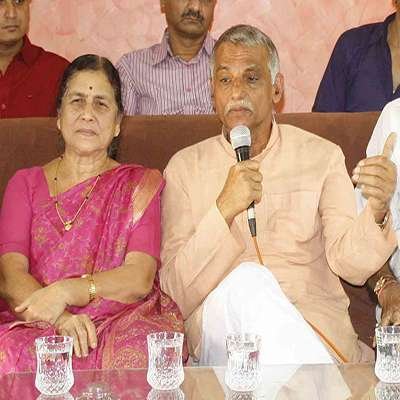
[250, 299]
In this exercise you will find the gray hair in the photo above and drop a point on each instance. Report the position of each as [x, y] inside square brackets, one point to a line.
[249, 36]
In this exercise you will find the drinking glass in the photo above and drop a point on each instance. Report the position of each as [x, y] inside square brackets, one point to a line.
[97, 391]
[387, 365]
[234, 395]
[64, 396]
[387, 391]
[243, 371]
[165, 371]
[176, 394]
[54, 374]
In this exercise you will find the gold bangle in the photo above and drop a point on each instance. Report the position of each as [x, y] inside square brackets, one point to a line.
[382, 282]
[92, 286]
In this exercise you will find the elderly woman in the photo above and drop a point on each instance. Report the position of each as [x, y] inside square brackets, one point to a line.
[80, 237]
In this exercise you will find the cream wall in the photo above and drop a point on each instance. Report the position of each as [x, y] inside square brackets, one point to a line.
[303, 30]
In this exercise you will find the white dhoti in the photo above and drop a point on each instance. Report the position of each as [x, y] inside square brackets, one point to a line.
[250, 299]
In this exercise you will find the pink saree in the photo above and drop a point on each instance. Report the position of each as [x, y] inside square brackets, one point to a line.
[122, 209]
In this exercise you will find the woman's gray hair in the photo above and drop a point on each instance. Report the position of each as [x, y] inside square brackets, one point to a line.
[248, 35]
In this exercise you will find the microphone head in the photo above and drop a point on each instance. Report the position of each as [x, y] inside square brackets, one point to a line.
[240, 136]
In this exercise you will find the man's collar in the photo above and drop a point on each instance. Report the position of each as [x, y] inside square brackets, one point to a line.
[382, 33]
[163, 50]
[273, 139]
[388, 20]
[208, 44]
[28, 53]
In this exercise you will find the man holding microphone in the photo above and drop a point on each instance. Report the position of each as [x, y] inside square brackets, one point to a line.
[308, 231]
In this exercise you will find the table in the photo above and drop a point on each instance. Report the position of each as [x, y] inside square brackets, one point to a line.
[308, 382]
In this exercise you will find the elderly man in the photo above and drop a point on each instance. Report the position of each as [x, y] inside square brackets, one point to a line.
[172, 77]
[29, 75]
[363, 73]
[308, 230]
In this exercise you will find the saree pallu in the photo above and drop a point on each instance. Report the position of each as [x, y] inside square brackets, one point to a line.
[97, 242]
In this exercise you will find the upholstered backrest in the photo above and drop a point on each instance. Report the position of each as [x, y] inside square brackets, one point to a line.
[151, 141]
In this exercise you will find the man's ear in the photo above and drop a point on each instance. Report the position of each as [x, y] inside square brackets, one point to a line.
[277, 88]
[58, 122]
[162, 6]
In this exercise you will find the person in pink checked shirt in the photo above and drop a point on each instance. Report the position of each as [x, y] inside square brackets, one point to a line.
[172, 77]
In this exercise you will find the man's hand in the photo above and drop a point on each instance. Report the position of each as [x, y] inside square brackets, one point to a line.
[389, 299]
[243, 186]
[81, 328]
[376, 177]
[45, 304]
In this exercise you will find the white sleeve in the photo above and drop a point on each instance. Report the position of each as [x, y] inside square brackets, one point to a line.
[388, 122]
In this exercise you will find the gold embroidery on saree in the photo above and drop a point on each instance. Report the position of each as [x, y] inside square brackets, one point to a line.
[144, 193]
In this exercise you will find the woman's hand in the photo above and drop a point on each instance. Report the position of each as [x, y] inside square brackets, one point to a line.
[45, 304]
[81, 328]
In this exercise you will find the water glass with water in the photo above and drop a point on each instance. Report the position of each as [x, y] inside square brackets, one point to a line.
[235, 395]
[387, 391]
[243, 371]
[64, 396]
[165, 371]
[97, 391]
[54, 374]
[387, 365]
[176, 394]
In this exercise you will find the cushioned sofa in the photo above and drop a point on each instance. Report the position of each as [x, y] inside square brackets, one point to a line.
[151, 141]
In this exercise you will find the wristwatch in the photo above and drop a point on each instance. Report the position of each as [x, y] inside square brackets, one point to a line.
[384, 222]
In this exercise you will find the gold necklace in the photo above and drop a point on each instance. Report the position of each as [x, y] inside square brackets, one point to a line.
[68, 223]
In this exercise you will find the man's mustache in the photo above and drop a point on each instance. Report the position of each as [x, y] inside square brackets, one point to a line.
[245, 104]
[193, 14]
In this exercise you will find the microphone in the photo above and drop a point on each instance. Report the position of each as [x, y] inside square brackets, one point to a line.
[241, 142]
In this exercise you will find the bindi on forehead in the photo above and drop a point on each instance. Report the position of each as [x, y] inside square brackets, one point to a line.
[90, 87]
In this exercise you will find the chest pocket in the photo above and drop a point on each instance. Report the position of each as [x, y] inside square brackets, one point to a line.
[292, 217]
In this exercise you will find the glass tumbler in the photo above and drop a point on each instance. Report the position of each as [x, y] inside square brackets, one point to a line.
[387, 365]
[243, 370]
[176, 394]
[54, 374]
[165, 371]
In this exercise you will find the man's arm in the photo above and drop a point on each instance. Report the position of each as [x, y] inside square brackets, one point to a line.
[197, 256]
[356, 247]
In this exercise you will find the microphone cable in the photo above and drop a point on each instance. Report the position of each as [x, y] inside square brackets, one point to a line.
[255, 242]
